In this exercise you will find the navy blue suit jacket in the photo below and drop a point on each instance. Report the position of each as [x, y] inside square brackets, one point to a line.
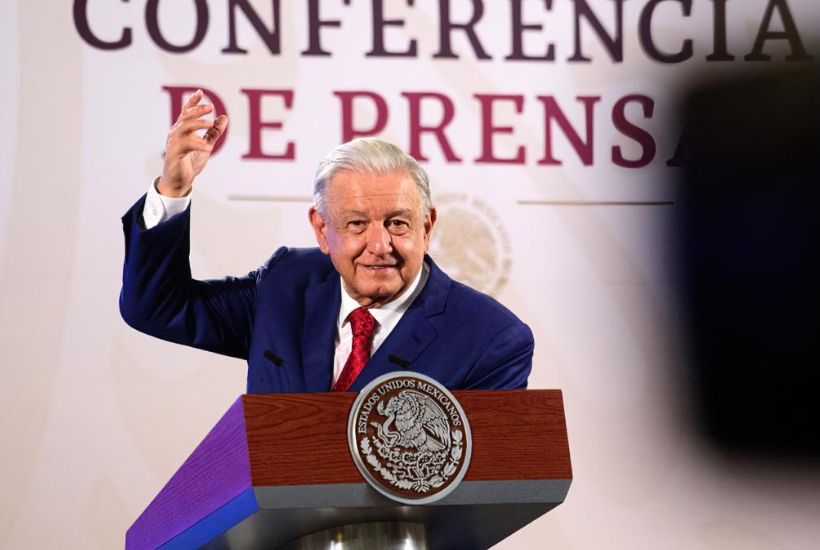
[282, 318]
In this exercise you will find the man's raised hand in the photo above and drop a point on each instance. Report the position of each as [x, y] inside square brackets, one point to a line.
[186, 153]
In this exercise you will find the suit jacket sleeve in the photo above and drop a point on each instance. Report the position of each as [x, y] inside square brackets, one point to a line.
[159, 297]
[506, 362]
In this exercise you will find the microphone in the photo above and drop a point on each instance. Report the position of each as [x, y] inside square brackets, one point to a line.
[273, 358]
[279, 362]
[399, 361]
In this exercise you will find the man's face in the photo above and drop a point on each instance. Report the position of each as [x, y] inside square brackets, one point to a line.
[375, 233]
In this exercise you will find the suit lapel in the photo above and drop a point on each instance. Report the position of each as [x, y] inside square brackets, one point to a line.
[413, 334]
[322, 304]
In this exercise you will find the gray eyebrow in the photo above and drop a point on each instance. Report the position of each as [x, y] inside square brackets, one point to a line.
[393, 213]
[353, 213]
[401, 212]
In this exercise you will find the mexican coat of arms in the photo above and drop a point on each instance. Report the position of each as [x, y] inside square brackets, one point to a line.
[409, 438]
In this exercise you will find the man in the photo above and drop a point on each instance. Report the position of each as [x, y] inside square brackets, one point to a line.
[366, 302]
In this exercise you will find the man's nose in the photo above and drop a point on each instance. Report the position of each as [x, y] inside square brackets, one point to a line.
[379, 240]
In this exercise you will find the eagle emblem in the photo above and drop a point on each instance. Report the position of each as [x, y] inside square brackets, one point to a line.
[409, 437]
[420, 423]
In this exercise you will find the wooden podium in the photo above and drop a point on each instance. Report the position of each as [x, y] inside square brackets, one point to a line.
[278, 467]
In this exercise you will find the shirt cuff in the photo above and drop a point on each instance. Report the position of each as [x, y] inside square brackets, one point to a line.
[159, 208]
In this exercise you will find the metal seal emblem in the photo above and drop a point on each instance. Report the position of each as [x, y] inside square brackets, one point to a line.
[409, 438]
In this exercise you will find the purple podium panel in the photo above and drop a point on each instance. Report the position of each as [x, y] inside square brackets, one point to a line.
[215, 475]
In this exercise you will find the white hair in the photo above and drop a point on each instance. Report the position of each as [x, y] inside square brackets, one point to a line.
[373, 156]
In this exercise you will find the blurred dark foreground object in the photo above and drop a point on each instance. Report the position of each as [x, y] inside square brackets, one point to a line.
[749, 237]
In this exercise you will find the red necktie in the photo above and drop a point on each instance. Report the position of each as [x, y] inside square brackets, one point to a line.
[363, 325]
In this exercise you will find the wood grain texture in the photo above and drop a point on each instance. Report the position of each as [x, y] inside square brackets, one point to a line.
[517, 434]
[301, 439]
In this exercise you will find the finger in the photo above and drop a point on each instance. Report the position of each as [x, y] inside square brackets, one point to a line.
[196, 143]
[193, 100]
[215, 132]
[186, 127]
[195, 112]
[191, 143]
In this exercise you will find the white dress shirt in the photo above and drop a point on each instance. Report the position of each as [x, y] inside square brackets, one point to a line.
[159, 208]
[387, 317]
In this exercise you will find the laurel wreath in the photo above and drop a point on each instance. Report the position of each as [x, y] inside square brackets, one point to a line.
[420, 471]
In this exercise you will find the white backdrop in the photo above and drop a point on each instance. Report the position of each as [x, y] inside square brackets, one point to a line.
[96, 417]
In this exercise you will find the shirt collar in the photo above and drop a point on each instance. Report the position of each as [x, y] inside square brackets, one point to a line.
[390, 309]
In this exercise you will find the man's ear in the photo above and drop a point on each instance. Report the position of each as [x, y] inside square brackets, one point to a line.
[319, 229]
[429, 220]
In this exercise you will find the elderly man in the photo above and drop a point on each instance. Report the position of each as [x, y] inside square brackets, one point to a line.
[366, 302]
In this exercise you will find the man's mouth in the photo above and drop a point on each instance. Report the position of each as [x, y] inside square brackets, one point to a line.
[379, 267]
